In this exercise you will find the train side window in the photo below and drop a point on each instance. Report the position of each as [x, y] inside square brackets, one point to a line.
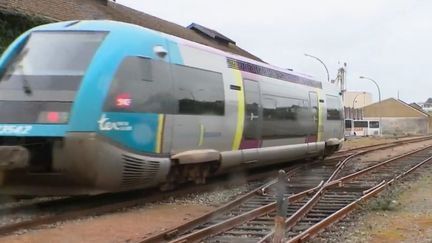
[334, 105]
[284, 117]
[269, 108]
[142, 85]
[198, 91]
[282, 108]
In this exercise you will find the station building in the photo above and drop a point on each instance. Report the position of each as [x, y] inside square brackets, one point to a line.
[399, 118]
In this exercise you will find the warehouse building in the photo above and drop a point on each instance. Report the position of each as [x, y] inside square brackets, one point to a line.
[399, 118]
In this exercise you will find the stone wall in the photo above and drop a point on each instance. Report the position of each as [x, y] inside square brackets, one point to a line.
[403, 126]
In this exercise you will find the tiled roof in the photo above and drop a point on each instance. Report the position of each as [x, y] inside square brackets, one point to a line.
[102, 9]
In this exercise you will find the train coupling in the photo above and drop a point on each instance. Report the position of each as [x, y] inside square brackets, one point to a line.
[13, 157]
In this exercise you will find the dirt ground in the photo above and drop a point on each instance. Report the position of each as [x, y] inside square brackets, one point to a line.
[135, 224]
[129, 226]
[355, 142]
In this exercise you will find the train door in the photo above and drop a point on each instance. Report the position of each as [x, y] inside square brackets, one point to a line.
[312, 138]
[253, 118]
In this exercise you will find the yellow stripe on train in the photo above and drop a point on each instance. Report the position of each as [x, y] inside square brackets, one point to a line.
[240, 111]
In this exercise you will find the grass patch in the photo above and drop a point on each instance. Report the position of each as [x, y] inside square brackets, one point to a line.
[386, 201]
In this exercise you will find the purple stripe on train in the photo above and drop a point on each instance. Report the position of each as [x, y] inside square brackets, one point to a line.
[271, 73]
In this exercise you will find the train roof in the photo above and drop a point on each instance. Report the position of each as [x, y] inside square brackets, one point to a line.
[243, 63]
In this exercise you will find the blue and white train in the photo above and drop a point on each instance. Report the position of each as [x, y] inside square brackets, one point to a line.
[89, 107]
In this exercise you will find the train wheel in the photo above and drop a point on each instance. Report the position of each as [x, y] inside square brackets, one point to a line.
[196, 173]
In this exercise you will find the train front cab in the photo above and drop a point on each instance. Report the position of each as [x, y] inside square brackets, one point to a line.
[41, 73]
[55, 136]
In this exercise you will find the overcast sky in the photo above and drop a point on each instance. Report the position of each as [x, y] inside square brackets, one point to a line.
[387, 40]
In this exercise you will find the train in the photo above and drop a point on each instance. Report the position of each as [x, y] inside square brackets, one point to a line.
[97, 106]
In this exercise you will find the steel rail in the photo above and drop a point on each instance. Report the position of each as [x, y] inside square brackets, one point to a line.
[349, 208]
[344, 153]
[255, 213]
[297, 216]
[239, 219]
[98, 210]
[101, 209]
[228, 224]
[378, 144]
[173, 232]
[95, 210]
[373, 167]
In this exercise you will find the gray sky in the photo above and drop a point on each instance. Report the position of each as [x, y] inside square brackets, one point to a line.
[387, 40]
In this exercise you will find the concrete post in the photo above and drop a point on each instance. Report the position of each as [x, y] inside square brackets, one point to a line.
[281, 207]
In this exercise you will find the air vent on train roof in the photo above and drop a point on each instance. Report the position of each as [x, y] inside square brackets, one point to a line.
[72, 23]
[209, 33]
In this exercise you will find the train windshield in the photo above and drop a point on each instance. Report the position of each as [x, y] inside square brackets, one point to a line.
[52, 60]
[45, 75]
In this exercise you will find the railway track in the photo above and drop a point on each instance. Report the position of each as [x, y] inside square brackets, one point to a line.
[28, 214]
[343, 227]
[344, 153]
[300, 191]
[344, 194]
[252, 220]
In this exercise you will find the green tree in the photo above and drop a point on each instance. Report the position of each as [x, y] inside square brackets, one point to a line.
[12, 25]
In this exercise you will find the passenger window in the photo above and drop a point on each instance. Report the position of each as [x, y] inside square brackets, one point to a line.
[269, 108]
[145, 85]
[199, 92]
[285, 117]
[282, 108]
[334, 108]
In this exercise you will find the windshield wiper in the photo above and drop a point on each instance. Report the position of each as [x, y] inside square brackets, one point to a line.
[26, 86]
[25, 83]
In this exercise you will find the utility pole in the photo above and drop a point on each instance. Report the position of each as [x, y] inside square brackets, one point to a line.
[281, 207]
[341, 79]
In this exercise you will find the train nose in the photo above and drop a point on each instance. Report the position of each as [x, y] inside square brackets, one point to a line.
[13, 157]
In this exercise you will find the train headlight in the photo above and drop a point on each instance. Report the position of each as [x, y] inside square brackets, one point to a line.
[53, 117]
